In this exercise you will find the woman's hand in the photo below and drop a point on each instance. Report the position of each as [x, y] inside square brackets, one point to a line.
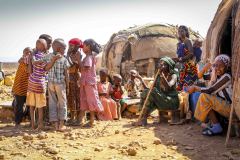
[192, 89]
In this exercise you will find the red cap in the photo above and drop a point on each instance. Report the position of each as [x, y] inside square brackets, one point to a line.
[76, 41]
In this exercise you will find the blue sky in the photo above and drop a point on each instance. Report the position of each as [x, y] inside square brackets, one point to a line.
[22, 21]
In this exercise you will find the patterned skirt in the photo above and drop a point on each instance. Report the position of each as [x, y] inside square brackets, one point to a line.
[188, 75]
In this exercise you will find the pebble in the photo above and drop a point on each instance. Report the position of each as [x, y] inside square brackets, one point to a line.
[134, 144]
[2, 138]
[117, 131]
[111, 146]
[131, 151]
[124, 147]
[42, 136]
[87, 158]
[235, 151]
[27, 137]
[51, 150]
[98, 149]
[157, 141]
[189, 148]
[2, 157]
[19, 154]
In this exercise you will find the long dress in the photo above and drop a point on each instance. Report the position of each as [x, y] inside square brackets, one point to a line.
[109, 105]
[188, 71]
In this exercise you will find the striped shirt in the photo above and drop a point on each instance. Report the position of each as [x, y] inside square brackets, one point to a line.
[222, 88]
[36, 82]
[21, 80]
[57, 73]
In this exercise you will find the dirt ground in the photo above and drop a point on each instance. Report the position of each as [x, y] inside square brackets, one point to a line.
[114, 141]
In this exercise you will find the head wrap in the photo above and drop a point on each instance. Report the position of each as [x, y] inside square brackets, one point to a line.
[185, 29]
[169, 61]
[76, 41]
[94, 46]
[224, 58]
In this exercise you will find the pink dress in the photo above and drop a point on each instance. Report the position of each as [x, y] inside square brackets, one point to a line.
[89, 99]
[109, 105]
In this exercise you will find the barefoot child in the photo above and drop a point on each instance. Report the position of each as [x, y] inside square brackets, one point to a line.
[105, 90]
[73, 98]
[57, 84]
[20, 85]
[117, 94]
[36, 84]
[89, 99]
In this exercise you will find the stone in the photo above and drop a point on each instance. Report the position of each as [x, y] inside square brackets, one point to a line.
[134, 144]
[111, 146]
[235, 151]
[124, 147]
[42, 136]
[117, 131]
[131, 151]
[27, 137]
[98, 149]
[189, 148]
[52, 150]
[87, 158]
[19, 154]
[2, 138]
[2, 157]
[157, 141]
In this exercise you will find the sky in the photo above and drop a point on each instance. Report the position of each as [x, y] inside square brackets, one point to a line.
[22, 21]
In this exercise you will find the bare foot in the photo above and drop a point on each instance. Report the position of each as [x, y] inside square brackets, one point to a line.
[63, 129]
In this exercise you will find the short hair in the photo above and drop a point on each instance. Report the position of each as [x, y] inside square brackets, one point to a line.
[28, 48]
[58, 42]
[43, 41]
[47, 37]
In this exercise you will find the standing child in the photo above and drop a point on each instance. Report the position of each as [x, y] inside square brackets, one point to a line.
[105, 90]
[73, 97]
[118, 94]
[57, 84]
[133, 85]
[36, 84]
[20, 85]
[89, 99]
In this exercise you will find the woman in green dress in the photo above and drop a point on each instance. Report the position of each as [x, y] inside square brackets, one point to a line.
[164, 95]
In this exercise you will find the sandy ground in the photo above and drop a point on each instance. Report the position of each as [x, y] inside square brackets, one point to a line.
[114, 141]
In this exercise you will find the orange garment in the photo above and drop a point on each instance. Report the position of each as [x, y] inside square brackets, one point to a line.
[109, 105]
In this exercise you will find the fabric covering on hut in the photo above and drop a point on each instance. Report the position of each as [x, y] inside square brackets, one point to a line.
[140, 47]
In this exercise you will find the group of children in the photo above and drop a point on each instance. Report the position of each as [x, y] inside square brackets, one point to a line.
[64, 83]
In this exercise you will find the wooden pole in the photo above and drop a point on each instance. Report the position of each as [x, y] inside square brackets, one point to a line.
[149, 92]
[232, 105]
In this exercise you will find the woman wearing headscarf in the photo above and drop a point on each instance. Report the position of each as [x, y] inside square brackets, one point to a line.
[164, 95]
[215, 98]
[188, 71]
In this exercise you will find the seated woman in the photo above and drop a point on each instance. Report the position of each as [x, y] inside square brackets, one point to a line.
[164, 95]
[105, 90]
[216, 97]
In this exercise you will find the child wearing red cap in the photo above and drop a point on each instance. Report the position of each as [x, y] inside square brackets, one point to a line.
[73, 98]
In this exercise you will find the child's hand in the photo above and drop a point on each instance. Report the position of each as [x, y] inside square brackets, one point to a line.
[56, 57]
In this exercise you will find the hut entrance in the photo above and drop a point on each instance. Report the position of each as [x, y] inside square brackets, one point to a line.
[225, 46]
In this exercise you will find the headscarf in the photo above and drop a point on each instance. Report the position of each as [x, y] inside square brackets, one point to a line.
[117, 76]
[185, 29]
[170, 62]
[94, 46]
[76, 41]
[224, 58]
[104, 70]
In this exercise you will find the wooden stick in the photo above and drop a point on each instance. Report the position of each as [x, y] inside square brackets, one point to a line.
[232, 106]
[150, 90]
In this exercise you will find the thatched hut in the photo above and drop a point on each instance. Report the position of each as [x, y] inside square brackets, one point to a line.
[224, 37]
[152, 42]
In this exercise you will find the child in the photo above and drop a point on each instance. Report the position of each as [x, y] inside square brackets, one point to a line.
[118, 94]
[105, 90]
[73, 97]
[89, 99]
[133, 85]
[57, 84]
[20, 85]
[48, 39]
[36, 84]
[197, 44]
[188, 71]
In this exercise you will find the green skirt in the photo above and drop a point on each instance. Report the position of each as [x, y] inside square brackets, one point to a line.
[160, 100]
